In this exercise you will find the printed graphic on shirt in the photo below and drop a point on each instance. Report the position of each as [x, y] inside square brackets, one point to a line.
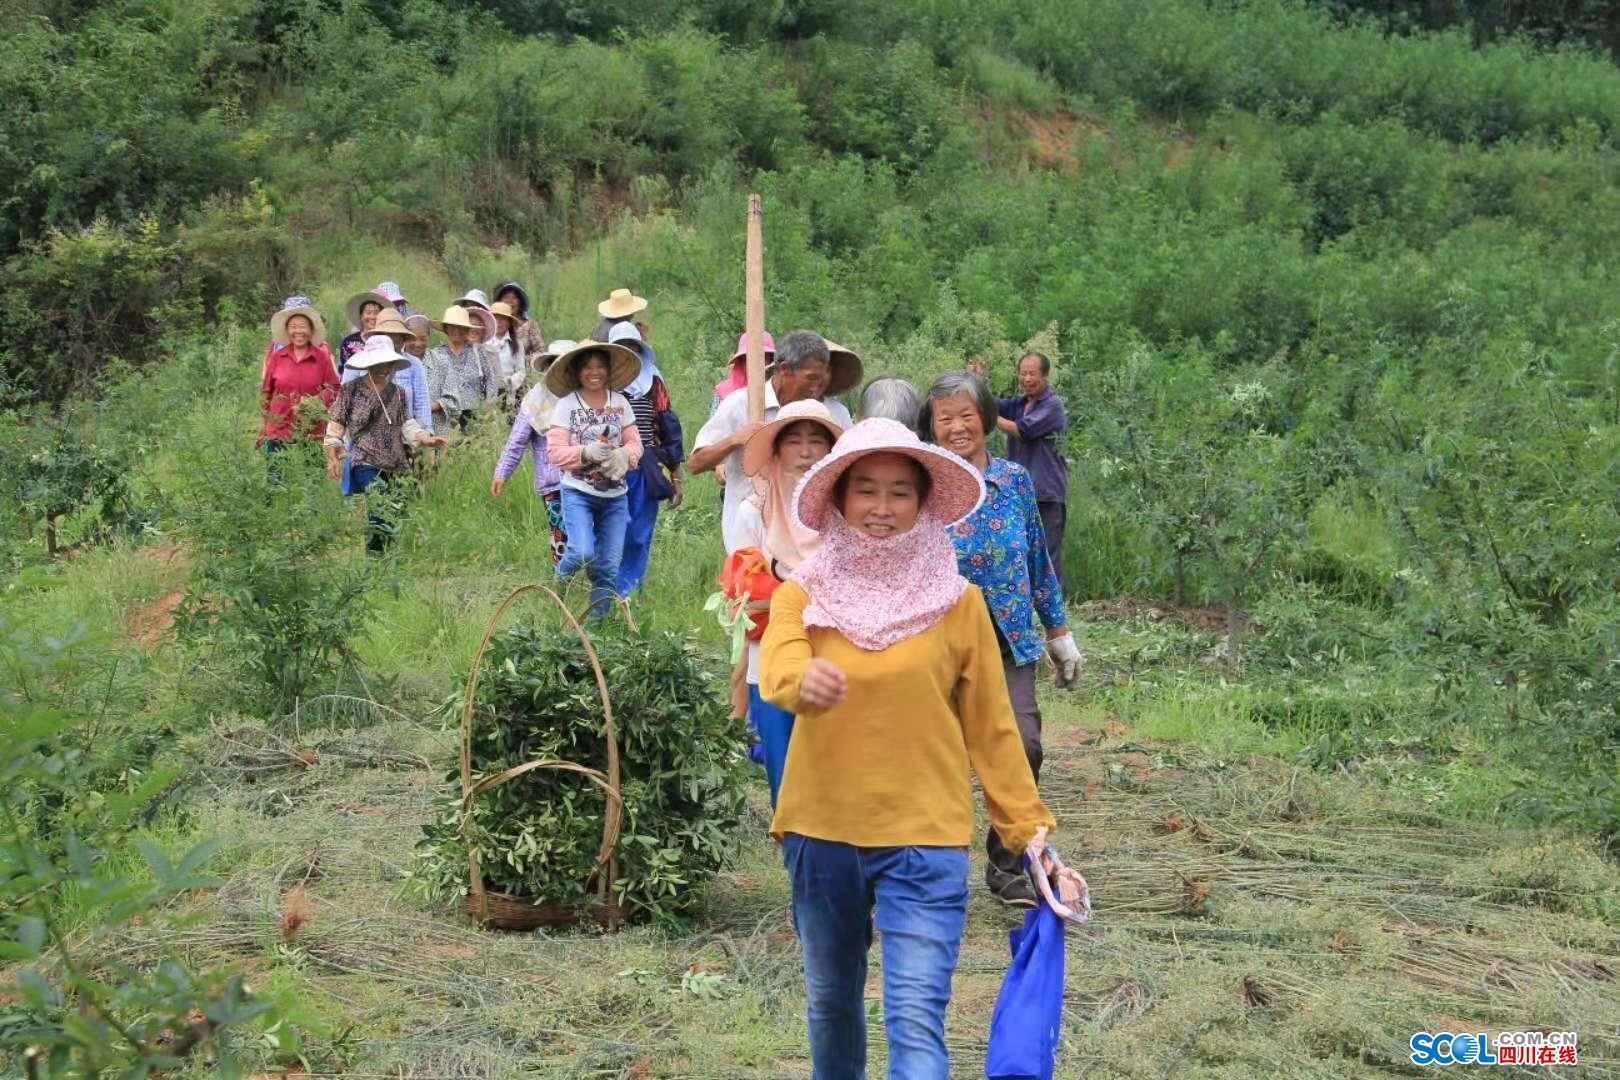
[601, 427]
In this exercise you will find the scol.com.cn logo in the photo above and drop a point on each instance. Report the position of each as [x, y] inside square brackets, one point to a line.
[1508, 1048]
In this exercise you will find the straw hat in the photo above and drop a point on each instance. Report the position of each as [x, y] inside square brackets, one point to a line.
[360, 300]
[278, 323]
[540, 361]
[390, 324]
[623, 366]
[621, 304]
[957, 489]
[503, 311]
[454, 315]
[376, 352]
[761, 444]
[474, 298]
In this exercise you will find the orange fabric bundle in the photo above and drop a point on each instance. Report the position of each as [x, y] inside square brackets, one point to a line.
[746, 574]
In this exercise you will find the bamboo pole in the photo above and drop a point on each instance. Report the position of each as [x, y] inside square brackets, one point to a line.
[754, 287]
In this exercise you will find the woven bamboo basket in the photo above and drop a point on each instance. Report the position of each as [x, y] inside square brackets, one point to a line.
[501, 911]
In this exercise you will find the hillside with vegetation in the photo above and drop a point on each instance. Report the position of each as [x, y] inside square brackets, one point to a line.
[1331, 295]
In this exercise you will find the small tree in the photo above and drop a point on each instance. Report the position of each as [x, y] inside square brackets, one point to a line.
[71, 475]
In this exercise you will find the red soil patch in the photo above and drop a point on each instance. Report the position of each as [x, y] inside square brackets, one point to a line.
[149, 624]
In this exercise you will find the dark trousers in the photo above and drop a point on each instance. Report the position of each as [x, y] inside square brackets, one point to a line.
[1055, 519]
[1021, 688]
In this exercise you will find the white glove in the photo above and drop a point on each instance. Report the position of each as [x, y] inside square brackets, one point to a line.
[617, 464]
[596, 453]
[1065, 656]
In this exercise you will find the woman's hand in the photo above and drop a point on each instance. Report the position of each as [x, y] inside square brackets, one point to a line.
[438, 407]
[438, 442]
[1065, 656]
[680, 490]
[334, 467]
[495, 487]
[823, 685]
[1071, 889]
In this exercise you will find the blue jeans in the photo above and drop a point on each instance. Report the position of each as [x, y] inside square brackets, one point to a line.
[638, 534]
[378, 533]
[921, 898]
[775, 728]
[595, 525]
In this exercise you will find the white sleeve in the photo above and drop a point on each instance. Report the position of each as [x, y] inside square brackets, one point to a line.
[562, 412]
[414, 432]
[748, 527]
[722, 425]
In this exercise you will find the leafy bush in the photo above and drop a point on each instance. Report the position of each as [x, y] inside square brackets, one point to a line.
[72, 1004]
[682, 773]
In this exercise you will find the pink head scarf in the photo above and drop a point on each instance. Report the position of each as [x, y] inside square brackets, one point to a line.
[880, 591]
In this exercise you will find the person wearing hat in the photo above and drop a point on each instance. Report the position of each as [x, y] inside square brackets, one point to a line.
[528, 330]
[390, 291]
[529, 430]
[508, 350]
[805, 367]
[658, 477]
[411, 378]
[1001, 548]
[272, 345]
[299, 365]
[461, 375]
[737, 377]
[362, 309]
[887, 658]
[775, 459]
[594, 441]
[371, 415]
[620, 305]
[473, 298]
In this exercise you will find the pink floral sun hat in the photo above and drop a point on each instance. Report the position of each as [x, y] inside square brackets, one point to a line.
[956, 491]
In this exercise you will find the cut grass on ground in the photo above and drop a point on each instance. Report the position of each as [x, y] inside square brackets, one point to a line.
[1252, 920]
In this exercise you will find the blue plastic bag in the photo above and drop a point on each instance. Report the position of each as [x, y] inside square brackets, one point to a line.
[1029, 1009]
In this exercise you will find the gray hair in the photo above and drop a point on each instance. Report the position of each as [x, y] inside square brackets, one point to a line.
[957, 384]
[801, 347]
[892, 397]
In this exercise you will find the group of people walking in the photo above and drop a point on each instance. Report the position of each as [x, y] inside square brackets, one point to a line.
[902, 584]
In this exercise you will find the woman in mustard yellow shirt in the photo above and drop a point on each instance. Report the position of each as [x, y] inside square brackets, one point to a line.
[888, 659]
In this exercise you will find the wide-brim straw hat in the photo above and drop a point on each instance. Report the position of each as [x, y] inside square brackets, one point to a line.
[957, 488]
[844, 369]
[503, 311]
[378, 351]
[542, 360]
[278, 324]
[621, 304]
[761, 445]
[454, 315]
[623, 367]
[359, 300]
[389, 323]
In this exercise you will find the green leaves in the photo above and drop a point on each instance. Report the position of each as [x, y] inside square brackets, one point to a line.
[682, 765]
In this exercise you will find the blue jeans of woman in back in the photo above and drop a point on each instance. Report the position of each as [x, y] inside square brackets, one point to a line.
[641, 522]
[920, 894]
[595, 525]
[775, 728]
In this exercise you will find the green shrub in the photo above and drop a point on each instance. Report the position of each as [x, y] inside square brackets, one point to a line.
[682, 773]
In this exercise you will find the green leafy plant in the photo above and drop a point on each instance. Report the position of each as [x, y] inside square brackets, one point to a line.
[74, 1008]
[682, 761]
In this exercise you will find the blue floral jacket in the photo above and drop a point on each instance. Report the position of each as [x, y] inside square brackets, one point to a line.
[1001, 548]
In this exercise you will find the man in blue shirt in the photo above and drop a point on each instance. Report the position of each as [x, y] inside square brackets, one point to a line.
[1035, 425]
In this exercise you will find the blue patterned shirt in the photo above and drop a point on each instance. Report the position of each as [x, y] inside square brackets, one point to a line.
[1001, 548]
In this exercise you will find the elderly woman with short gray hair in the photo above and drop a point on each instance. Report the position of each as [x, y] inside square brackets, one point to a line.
[1001, 548]
[807, 366]
[892, 398]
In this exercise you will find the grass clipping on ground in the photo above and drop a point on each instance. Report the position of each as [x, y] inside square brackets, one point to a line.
[1251, 920]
